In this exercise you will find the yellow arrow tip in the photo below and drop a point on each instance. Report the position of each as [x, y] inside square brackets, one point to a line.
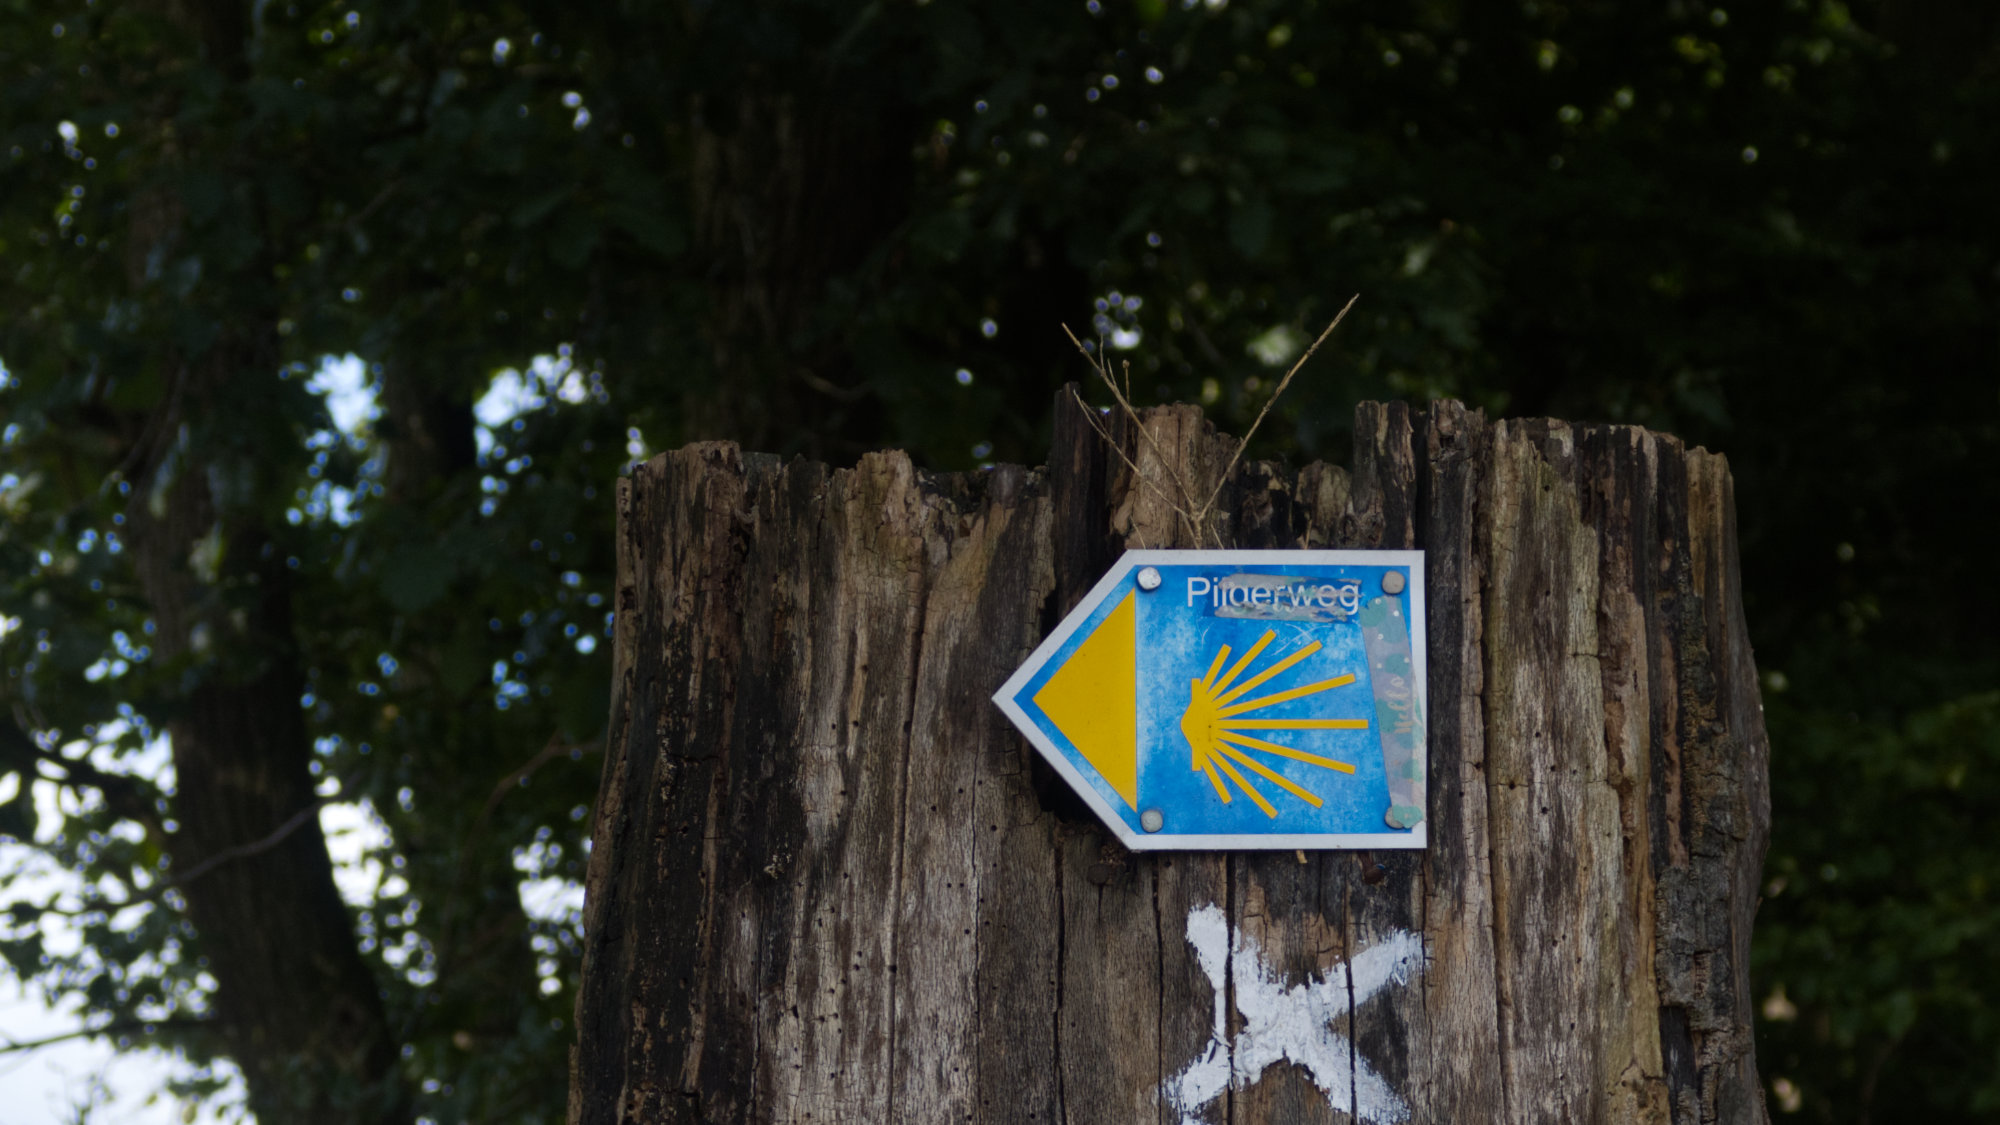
[1093, 700]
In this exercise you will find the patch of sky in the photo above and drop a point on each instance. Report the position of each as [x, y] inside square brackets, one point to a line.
[365, 866]
[86, 1079]
[357, 840]
[551, 898]
[506, 689]
[513, 393]
[349, 392]
[47, 1086]
[324, 501]
[107, 667]
[352, 391]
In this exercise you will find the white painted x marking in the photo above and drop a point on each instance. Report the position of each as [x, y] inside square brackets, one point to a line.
[1294, 1022]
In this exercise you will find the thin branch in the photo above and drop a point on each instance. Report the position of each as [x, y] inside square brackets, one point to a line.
[1090, 415]
[168, 883]
[1268, 403]
[389, 189]
[447, 945]
[1192, 525]
[116, 786]
[831, 389]
[123, 793]
[1208, 347]
[9, 1046]
[245, 851]
[555, 749]
[141, 457]
[23, 912]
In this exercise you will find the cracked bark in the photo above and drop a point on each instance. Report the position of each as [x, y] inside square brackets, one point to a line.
[829, 882]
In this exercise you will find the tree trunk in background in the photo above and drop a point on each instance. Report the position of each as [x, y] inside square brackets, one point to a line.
[788, 195]
[830, 883]
[299, 1010]
[296, 1006]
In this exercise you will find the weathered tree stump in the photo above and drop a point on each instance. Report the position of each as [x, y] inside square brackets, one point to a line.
[830, 883]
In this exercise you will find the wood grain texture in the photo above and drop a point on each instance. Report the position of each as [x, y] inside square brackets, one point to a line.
[829, 883]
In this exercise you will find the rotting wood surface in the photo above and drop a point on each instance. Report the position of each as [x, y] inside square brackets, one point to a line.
[829, 883]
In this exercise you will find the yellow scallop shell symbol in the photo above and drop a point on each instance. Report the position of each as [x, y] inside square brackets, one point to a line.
[1214, 723]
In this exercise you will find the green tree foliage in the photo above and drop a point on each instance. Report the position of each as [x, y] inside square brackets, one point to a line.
[1882, 925]
[823, 226]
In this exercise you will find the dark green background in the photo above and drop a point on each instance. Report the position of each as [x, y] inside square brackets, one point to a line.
[1769, 228]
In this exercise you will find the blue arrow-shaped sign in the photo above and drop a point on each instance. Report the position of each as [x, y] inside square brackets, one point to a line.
[1239, 699]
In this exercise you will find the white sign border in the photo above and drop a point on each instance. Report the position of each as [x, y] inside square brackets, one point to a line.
[1414, 840]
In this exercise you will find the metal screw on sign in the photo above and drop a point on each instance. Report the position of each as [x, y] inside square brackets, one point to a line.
[1149, 579]
[1152, 821]
[1392, 582]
